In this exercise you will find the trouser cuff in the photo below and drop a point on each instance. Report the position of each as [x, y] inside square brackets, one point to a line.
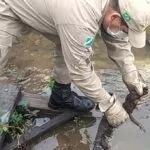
[62, 85]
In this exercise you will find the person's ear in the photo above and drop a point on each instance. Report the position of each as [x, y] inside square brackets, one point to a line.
[115, 21]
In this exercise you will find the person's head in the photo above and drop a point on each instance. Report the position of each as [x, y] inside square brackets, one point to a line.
[128, 17]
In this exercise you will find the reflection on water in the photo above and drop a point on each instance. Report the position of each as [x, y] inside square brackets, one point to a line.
[75, 135]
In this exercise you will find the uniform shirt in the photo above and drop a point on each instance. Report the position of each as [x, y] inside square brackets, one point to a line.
[76, 22]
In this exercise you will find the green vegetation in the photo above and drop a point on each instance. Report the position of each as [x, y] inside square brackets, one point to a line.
[19, 123]
[51, 82]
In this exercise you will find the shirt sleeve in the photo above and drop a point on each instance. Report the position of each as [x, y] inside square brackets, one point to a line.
[76, 42]
[119, 51]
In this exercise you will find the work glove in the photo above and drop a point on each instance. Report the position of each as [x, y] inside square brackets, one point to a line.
[134, 82]
[116, 114]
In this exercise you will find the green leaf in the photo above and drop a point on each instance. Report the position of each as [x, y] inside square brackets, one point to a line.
[20, 121]
[5, 129]
[1, 131]
[51, 82]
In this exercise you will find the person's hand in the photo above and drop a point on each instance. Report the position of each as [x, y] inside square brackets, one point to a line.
[116, 114]
[134, 82]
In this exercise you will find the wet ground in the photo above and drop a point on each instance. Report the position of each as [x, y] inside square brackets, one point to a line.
[31, 66]
[80, 134]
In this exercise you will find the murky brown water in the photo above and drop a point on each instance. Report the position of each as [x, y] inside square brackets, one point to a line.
[31, 65]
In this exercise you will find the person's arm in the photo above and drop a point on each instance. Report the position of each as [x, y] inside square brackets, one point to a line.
[119, 51]
[76, 42]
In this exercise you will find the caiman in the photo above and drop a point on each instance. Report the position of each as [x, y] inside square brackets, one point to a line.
[131, 102]
[105, 131]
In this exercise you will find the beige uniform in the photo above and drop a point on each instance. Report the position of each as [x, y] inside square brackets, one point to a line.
[72, 25]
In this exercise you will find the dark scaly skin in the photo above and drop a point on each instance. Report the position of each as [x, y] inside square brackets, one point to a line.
[137, 123]
[131, 102]
[105, 131]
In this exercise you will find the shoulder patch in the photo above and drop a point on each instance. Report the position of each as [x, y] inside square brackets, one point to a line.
[89, 41]
[127, 17]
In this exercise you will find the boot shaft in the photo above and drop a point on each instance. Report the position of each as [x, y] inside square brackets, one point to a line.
[61, 92]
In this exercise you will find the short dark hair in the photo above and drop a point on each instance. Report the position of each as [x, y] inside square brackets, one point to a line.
[113, 3]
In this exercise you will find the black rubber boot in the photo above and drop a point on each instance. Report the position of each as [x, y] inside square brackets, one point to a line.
[62, 97]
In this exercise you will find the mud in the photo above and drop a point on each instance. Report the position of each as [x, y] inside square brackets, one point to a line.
[31, 65]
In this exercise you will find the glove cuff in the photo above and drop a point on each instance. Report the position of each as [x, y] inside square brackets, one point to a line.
[104, 107]
[116, 114]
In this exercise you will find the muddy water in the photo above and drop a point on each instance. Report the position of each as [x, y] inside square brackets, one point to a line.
[129, 136]
[31, 65]
[80, 134]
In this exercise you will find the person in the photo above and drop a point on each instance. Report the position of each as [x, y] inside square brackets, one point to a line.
[73, 25]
